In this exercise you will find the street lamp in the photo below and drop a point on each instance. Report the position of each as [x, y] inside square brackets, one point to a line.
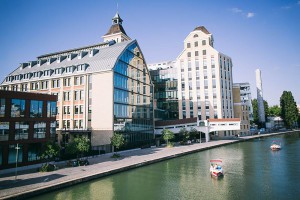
[17, 158]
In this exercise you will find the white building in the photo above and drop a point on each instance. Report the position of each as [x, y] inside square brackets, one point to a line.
[101, 88]
[205, 82]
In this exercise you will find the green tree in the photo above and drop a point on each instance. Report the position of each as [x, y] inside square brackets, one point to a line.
[289, 111]
[255, 111]
[184, 134]
[274, 111]
[117, 140]
[167, 136]
[49, 151]
[193, 133]
[266, 107]
[79, 146]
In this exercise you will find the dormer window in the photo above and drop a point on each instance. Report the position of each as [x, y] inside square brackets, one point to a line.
[47, 73]
[57, 71]
[195, 35]
[69, 69]
[81, 68]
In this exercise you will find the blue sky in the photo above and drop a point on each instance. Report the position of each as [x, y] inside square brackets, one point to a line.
[254, 33]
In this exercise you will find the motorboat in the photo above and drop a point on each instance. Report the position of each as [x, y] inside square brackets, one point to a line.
[216, 169]
[275, 146]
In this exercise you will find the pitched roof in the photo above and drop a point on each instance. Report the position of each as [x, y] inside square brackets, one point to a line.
[203, 29]
[116, 28]
[105, 59]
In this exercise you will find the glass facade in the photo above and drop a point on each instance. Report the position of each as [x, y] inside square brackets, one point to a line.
[17, 108]
[12, 154]
[133, 108]
[165, 93]
[36, 108]
[34, 151]
[4, 131]
[21, 130]
[39, 130]
[2, 107]
[51, 109]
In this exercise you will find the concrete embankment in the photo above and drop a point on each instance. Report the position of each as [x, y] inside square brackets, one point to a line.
[32, 184]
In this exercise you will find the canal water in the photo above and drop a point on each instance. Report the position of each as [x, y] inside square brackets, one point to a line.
[252, 171]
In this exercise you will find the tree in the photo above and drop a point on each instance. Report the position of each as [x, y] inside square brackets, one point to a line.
[49, 151]
[193, 133]
[79, 146]
[255, 111]
[117, 140]
[274, 111]
[289, 111]
[167, 136]
[185, 134]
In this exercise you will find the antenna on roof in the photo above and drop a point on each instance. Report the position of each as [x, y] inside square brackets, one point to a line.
[117, 7]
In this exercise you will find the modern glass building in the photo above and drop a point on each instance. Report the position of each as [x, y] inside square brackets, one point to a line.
[164, 77]
[101, 89]
[27, 120]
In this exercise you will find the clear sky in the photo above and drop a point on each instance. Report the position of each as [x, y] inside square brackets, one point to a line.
[254, 33]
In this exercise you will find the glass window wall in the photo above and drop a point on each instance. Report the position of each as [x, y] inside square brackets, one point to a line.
[17, 108]
[36, 108]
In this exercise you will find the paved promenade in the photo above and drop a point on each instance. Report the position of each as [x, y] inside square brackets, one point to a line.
[31, 184]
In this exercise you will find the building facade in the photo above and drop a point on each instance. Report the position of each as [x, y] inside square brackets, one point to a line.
[246, 98]
[165, 80]
[101, 89]
[260, 99]
[241, 110]
[27, 121]
[205, 79]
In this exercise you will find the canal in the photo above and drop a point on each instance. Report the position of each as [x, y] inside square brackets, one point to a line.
[252, 171]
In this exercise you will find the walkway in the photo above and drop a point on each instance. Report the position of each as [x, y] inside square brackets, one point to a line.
[31, 184]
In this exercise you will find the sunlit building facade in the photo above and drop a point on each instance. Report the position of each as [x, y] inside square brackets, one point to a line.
[101, 89]
[205, 79]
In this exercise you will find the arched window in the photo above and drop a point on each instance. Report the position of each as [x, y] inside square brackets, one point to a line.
[195, 35]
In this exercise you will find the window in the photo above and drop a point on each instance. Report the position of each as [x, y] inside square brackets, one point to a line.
[81, 109]
[69, 69]
[4, 131]
[76, 109]
[56, 83]
[17, 108]
[34, 151]
[195, 35]
[196, 44]
[81, 95]
[36, 108]
[203, 42]
[67, 82]
[204, 52]
[44, 85]
[66, 96]
[51, 109]
[189, 54]
[188, 45]
[196, 53]
[52, 129]
[2, 108]
[21, 130]
[66, 110]
[39, 129]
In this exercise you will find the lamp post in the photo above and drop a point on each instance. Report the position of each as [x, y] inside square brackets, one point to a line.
[17, 158]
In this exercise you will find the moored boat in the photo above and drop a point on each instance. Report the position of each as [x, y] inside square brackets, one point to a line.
[216, 169]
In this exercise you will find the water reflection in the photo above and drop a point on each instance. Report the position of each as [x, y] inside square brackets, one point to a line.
[252, 171]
